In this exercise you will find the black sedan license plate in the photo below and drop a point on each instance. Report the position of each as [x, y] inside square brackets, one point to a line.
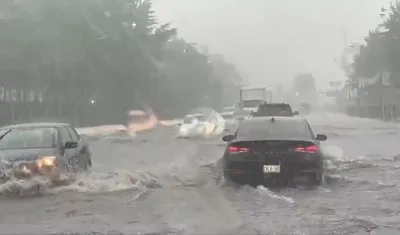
[268, 169]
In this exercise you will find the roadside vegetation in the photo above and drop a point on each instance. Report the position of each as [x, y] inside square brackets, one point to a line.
[376, 69]
[381, 50]
[91, 61]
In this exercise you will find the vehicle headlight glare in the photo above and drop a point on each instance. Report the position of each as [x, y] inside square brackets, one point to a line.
[25, 169]
[46, 161]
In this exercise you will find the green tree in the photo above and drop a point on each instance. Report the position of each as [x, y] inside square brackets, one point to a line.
[381, 51]
[371, 59]
[111, 51]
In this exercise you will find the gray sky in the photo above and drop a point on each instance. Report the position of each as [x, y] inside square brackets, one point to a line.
[271, 40]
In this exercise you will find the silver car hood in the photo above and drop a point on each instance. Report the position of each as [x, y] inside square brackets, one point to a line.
[29, 154]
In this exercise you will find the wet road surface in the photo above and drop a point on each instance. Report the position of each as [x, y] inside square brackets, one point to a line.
[159, 185]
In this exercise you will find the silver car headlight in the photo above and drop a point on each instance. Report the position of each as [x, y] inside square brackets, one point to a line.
[46, 161]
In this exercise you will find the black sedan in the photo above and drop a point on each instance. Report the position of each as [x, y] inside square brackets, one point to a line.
[48, 149]
[271, 150]
[274, 109]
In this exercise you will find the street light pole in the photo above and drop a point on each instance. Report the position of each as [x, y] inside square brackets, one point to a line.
[382, 87]
[347, 60]
[384, 83]
[348, 87]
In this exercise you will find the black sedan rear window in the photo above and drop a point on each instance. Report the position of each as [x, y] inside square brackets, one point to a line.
[272, 130]
[274, 110]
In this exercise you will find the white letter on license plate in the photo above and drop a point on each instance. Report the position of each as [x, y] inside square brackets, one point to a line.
[272, 169]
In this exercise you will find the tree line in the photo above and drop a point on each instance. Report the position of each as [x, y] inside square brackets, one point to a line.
[379, 63]
[91, 61]
[381, 51]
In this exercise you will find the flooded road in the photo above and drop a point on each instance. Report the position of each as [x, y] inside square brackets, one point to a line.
[165, 186]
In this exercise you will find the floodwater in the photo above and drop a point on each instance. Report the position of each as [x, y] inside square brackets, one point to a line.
[159, 185]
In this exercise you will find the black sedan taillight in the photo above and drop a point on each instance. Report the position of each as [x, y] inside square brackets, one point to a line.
[235, 149]
[308, 149]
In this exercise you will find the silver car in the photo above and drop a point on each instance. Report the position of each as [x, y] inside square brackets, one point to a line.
[42, 149]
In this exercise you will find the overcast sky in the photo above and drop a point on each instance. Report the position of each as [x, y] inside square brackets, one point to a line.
[271, 40]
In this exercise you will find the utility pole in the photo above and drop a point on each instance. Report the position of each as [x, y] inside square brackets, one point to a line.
[347, 60]
[349, 87]
[382, 97]
[384, 82]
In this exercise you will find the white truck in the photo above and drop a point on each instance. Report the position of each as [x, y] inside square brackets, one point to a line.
[251, 98]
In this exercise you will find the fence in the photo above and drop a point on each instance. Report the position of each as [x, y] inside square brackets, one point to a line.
[25, 105]
[13, 112]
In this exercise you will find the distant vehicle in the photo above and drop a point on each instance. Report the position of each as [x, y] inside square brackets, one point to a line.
[272, 150]
[228, 109]
[193, 126]
[241, 114]
[251, 98]
[42, 149]
[274, 109]
[304, 88]
[305, 107]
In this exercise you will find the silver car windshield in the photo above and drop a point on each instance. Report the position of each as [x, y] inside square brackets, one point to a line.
[22, 138]
[200, 118]
[188, 119]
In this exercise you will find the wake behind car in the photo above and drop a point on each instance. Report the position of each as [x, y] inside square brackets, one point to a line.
[267, 150]
[42, 149]
[274, 109]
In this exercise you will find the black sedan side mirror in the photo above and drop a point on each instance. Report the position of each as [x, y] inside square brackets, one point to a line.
[296, 113]
[228, 138]
[321, 137]
[70, 144]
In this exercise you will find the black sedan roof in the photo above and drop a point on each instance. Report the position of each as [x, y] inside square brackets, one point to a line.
[36, 124]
